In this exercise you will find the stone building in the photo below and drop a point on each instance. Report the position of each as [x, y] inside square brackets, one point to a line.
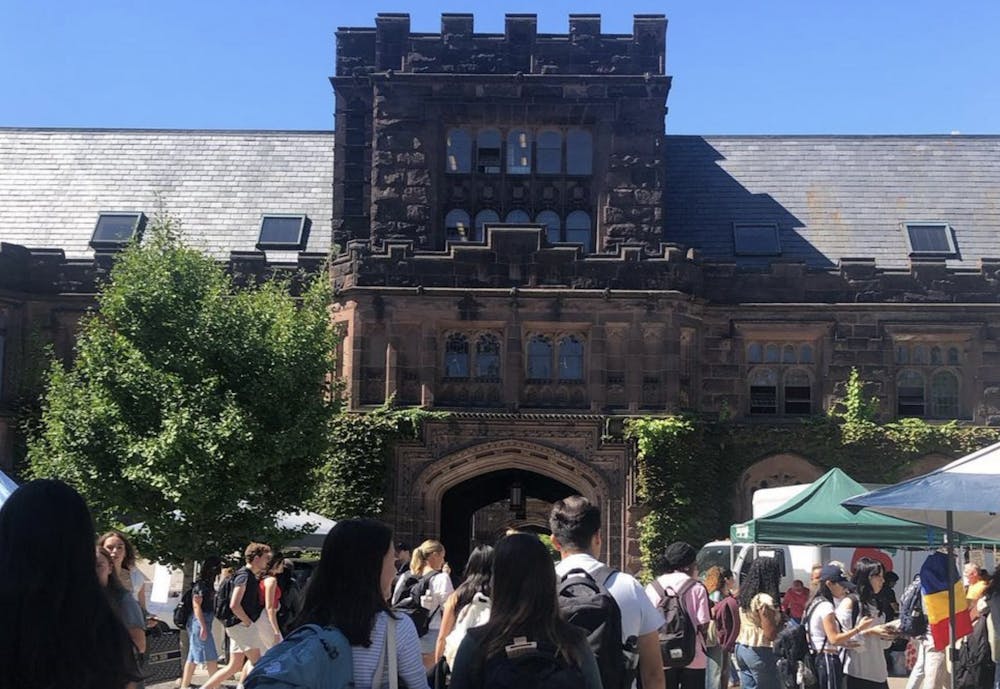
[517, 241]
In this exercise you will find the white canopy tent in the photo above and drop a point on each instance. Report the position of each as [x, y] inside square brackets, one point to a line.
[7, 486]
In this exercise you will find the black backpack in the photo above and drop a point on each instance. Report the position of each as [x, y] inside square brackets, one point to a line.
[912, 620]
[794, 651]
[586, 603]
[183, 610]
[408, 601]
[974, 668]
[223, 612]
[530, 665]
[678, 636]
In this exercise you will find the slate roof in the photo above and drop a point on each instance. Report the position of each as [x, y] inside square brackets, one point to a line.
[55, 182]
[834, 197]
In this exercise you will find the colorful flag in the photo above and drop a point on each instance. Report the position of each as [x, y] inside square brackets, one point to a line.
[937, 575]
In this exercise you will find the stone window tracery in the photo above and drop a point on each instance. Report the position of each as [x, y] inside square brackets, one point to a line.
[785, 384]
[556, 358]
[928, 383]
[488, 357]
[570, 358]
[539, 358]
[456, 356]
[764, 391]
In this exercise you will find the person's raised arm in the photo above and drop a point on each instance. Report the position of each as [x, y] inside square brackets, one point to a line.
[837, 637]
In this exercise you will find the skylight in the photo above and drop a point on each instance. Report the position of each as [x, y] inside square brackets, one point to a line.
[114, 230]
[283, 232]
[756, 239]
[930, 239]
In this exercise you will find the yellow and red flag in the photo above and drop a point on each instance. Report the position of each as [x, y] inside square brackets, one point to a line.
[937, 575]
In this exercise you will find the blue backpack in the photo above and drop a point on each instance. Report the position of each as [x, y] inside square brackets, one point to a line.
[311, 656]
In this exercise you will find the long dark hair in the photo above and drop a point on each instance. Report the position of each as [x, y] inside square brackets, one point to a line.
[478, 577]
[524, 599]
[59, 629]
[345, 591]
[210, 569]
[864, 570]
[764, 577]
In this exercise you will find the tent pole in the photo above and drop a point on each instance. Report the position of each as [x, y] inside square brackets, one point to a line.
[951, 596]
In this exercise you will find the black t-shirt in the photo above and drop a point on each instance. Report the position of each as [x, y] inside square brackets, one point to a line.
[207, 593]
[251, 594]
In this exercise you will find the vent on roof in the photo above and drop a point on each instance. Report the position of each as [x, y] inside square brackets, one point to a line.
[115, 230]
[285, 232]
[756, 239]
[930, 239]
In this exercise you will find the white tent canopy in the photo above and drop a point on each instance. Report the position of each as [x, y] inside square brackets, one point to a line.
[7, 486]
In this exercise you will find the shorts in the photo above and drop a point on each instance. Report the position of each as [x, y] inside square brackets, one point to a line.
[242, 639]
[265, 631]
[201, 651]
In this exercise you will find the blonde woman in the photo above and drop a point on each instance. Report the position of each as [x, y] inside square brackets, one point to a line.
[427, 577]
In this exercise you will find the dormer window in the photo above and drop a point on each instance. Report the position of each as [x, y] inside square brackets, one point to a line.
[115, 230]
[930, 239]
[286, 232]
[756, 239]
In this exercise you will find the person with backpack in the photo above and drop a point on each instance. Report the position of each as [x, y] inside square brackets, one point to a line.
[346, 603]
[468, 606]
[421, 595]
[827, 636]
[864, 666]
[683, 602]
[611, 606]
[760, 620]
[526, 644]
[199, 606]
[238, 608]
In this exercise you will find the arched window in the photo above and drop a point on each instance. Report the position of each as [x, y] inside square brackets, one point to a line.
[772, 354]
[944, 395]
[458, 157]
[805, 354]
[920, 354]
[936, 356]
[763, 391]
[518, 152]
[755, 353]
[517, 216]
[553, 227]
[488, 151]
[910, 393]
[579, 152]
[488, 357]
[570, 359]
[578, 229]
[788, 354]
[953, 356]
[456, 225]
[539, 359]
[798, 392]
[483, 217]
[549, 160]
[456, 356]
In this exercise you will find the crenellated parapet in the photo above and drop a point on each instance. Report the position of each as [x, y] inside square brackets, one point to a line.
[457, 49]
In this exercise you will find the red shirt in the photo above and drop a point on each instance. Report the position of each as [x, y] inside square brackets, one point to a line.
[794, 601]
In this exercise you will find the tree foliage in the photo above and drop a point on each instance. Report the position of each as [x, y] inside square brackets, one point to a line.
[191, 405]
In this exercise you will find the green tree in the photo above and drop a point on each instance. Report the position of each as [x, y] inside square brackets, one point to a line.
[191, 405]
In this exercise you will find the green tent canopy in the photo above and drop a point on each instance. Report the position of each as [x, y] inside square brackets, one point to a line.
[816, 517]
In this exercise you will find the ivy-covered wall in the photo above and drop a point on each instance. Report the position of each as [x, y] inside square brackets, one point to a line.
[689, 467]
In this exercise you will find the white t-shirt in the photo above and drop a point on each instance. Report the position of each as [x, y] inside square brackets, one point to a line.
[817, 633]
[639, 615]
[440, 588]
[866, 660]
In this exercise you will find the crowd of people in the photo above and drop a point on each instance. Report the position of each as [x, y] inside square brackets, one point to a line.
[516, 619]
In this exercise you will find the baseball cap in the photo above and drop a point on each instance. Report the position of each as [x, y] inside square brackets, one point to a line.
[835, 574]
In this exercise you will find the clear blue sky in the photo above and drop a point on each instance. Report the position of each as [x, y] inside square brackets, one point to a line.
[770, 66]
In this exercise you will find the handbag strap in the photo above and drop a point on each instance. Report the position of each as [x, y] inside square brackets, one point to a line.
[388, 651]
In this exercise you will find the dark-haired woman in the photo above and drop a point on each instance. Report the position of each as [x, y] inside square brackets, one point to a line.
[349, 590]
[270, 600]
[474, 590]
[864, 665]
[123, 554]
[524, 612]
[123, 603]
[201, 643]
[45, 526]
[826, 636]
[760, 620]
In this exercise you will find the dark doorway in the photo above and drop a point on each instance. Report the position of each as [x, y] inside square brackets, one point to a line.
[462, 501]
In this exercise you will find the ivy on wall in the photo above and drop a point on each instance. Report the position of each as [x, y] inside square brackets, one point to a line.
[353, 480]
[688, 467]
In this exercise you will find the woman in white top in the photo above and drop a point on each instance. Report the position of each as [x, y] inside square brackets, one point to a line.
[865, 666]
[826, 636]
[349, 590]
[428, 559]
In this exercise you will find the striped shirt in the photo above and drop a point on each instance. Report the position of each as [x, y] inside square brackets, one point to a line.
[411, 667]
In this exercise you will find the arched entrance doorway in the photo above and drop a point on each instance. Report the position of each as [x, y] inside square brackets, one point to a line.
[481, 509]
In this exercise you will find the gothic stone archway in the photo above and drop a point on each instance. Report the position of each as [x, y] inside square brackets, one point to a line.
[771, 472]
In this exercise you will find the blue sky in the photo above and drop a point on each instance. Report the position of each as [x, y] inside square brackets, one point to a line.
[739, 67]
